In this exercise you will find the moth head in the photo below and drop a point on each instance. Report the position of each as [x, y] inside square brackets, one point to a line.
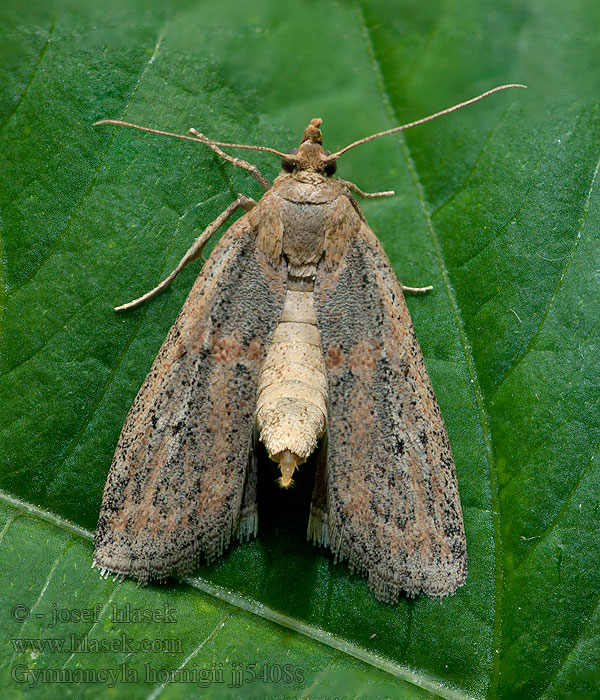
[310, 154]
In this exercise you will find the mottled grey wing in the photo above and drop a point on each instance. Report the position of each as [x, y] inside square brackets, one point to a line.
[386, 497]
[182, 480]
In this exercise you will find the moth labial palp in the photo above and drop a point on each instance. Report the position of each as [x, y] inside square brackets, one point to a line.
[296, 330]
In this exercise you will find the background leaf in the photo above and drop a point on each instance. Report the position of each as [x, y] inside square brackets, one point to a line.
[497, 206]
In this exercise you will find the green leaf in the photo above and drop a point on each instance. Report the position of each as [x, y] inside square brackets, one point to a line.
[497, 206]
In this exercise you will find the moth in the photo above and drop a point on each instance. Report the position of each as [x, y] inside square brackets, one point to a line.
[295, 334]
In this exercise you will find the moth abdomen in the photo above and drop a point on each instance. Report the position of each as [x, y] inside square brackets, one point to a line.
[291, 408]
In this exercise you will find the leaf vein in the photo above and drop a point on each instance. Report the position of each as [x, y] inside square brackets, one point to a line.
[88, 302]
[76, 439]
[571, 647]
[519, 360]
[49, 577]
[218, 627]
[509, 219]
[97, 622]
[19, 102]
[559, 515]
[8, 524]
[467, 178]
[94, 177]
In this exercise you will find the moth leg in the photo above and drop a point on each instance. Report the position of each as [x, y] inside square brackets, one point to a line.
[238, 162]
[195, 251]
[416, 290]
[367, 195]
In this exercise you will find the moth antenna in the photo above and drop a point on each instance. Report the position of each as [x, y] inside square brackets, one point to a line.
[206, 140]
[199, 138]
[335, 156]
[118, 122]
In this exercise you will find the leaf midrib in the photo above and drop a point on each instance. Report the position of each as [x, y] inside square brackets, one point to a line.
[253, 607]
[469, 360]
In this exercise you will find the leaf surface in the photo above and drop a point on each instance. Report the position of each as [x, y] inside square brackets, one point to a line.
[496, 205]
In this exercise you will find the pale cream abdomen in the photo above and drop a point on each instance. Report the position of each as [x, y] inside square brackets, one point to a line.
[291, 408]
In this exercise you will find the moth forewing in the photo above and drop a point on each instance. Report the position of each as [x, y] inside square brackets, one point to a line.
[391, 505]
[181, 482]
[295, 333]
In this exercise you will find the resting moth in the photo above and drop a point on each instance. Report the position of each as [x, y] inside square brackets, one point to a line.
[295, 334]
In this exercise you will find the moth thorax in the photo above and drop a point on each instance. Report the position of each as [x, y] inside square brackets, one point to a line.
[291, 408]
